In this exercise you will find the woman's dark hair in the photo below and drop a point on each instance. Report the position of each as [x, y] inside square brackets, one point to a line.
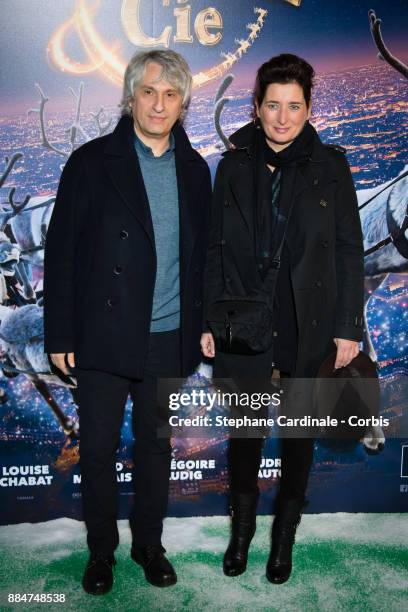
[284, 68]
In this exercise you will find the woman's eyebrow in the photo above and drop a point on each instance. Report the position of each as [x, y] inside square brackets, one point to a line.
[278, 102]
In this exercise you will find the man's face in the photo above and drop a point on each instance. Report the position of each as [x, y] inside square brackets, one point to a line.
[283, 114]
[156, 105]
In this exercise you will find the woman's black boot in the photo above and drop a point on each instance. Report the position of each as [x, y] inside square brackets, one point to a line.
[284, 527]
[243, 525]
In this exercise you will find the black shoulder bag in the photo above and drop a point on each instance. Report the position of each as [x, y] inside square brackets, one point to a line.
[243, 325]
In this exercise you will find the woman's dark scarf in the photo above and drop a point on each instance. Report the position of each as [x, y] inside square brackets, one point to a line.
[274, 193]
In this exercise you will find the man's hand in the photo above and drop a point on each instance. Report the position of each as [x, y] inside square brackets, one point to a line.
[207, 345]
[58, 359]
[346, 351]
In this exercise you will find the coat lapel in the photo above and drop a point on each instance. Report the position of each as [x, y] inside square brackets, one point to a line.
[313, 176]
[187, 192]
[189, 179]
[123, 167]
[241, 184]
[301, 183]
[126, 175]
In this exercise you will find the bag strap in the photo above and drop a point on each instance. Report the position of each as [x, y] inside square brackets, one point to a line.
[269, 283]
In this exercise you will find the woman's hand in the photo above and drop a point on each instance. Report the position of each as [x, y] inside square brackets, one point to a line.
[207, 345]
[346, 351]
[60, 360]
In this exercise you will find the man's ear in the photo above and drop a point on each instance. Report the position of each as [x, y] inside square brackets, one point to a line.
[309, 110]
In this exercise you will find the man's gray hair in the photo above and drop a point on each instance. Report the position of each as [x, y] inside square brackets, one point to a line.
[175, 70]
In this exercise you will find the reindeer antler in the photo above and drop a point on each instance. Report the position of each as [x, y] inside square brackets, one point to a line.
[219, 102]
[17, 208]
[384, 53]
[9, 166]
[75, 128]
[41, 111]
[102, 129]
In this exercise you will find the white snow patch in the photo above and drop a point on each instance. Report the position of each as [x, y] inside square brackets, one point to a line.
[385, 529]
[211, 533]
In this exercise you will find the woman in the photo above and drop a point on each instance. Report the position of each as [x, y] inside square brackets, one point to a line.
[282, 196]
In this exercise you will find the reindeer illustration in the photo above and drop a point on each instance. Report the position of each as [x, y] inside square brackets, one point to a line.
[261, 12]
[384, 211]
[254, 29]
[243, 46]
[12, 253]
[23, 227]
[22, 231]
[229, 59]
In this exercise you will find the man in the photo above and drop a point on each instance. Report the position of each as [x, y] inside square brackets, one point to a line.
[124, 260]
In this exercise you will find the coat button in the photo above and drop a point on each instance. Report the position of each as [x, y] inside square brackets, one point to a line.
[227, 280]
[197, 303]
[223, 242]
[325, 244]
[315, 181]
[123, 234]
[117, 270]
[275, 334]
[110, 302]
[315, 322]
[226, 203]
[323, 203]
[318, 283]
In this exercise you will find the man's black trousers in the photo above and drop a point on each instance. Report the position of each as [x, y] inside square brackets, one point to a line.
[102, 398]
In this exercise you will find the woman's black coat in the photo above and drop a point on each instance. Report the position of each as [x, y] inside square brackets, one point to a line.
[324, 239]
[100, 257]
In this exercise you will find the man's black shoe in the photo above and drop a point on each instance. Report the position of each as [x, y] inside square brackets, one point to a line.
[98, 575]
[158, 570]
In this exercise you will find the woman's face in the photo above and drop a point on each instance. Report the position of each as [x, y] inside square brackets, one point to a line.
[283, 114]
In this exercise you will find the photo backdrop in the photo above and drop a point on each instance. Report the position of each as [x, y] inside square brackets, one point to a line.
[61, 77]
